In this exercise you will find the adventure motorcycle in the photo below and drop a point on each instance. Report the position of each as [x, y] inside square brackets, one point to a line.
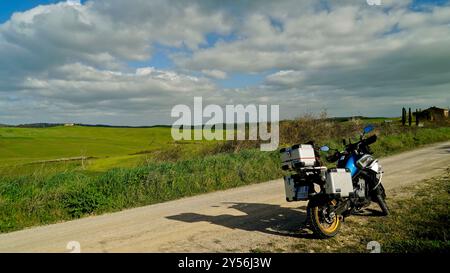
[334, 193]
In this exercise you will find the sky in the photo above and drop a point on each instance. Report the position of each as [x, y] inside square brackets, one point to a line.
[130, 62]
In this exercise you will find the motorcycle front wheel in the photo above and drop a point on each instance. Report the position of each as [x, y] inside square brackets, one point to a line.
[380, 198]
[382, 203]
[323, 223]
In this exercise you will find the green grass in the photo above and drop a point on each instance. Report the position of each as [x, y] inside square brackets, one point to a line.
[389, 144]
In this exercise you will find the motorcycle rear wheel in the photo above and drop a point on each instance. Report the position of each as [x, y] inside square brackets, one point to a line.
[323, 225]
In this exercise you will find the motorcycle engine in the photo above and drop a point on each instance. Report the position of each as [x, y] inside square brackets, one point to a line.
[360, 188]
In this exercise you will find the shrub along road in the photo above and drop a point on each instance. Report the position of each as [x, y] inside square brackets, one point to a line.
[239, 219]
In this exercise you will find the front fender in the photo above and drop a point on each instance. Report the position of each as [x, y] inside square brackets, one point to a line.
[318, 199]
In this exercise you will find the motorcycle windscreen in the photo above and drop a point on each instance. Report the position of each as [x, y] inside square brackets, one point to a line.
[351, 165]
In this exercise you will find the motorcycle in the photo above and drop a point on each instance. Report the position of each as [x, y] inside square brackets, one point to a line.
[335, 193]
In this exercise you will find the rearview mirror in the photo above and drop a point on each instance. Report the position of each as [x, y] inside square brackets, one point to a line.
[325, 148]
[369, 128]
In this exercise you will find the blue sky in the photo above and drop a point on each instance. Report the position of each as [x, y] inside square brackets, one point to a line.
[8, 7]
[129, 62]
[418, 3]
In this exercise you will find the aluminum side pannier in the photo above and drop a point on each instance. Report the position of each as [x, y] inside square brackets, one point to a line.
[339, 182]
[295, 191]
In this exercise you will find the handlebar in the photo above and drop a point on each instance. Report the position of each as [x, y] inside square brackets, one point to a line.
[334, 157]
[370, 140]
[362, 145]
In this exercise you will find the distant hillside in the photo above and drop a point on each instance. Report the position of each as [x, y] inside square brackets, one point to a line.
[39, 125]
[118, 126]
[341, 119]
[47, 125]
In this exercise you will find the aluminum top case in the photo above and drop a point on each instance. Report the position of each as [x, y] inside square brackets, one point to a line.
[298, 156]
[339, 182]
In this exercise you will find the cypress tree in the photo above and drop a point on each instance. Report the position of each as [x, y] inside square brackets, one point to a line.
[417, 117]
[403, 116]
[409, 117]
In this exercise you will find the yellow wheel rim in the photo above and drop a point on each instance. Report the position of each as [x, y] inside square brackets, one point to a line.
[326, 229]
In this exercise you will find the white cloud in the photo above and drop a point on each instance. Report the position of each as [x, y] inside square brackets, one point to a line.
[215, 73]
[74, 2]
[101, 33]
[286, 78]
[74, 89]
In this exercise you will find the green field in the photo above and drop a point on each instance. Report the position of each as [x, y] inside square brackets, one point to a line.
[30, 149]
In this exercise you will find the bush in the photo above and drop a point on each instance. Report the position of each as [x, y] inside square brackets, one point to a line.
[82, 199]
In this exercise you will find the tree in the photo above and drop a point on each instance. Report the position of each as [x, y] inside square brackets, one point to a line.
[409, 117]
[403, 116]
[417, 117]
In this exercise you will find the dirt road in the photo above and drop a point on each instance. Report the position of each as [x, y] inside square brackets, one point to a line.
[234, 220]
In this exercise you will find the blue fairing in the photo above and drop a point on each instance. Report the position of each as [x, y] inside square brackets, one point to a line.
[351, 165]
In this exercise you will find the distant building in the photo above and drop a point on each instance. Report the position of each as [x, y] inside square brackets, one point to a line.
[433, 113]
[69, 124]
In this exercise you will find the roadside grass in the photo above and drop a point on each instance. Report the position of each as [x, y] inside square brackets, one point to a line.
[419, 223]
[48, 193]
[390, 143]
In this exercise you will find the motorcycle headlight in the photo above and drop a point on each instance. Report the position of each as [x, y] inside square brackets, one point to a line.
[379, 173]
[364, 161]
